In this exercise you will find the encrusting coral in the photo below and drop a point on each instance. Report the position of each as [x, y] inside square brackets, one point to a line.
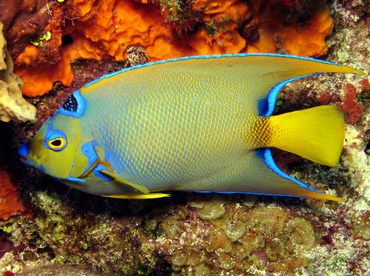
[166, 29]
[12, 104]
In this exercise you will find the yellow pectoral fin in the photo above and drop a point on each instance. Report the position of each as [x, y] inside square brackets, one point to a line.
[144, 196]
[140, 188]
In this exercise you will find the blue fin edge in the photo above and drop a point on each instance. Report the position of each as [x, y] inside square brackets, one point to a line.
[243, 193]
[266, 106]
[97, 172]
[73, 179]
[270, 163]
[207, 57]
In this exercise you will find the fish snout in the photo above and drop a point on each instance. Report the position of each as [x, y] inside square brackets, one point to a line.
[23, 151]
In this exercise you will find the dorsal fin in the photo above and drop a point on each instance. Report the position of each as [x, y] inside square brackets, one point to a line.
[258, 76]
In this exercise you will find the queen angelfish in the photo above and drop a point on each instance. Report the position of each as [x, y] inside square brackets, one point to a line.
[199, 123]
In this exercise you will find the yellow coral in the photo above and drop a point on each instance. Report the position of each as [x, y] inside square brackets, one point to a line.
[12, 104]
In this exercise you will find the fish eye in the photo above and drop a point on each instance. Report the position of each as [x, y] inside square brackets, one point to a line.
[57, 144]
[56, 141]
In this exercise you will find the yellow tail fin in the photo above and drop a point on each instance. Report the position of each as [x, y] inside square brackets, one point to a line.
[316, 133]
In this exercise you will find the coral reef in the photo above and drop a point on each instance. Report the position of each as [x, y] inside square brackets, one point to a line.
[12, 104]
[200, 234]
[166, 29]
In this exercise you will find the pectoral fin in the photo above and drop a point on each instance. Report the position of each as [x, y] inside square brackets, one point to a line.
[143, 196]
[118, 179]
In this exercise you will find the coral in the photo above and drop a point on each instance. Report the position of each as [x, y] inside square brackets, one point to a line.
[165, 29]
[10, 203]
[12, 104]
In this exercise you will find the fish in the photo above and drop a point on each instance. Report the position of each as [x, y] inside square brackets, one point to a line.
[199, 124]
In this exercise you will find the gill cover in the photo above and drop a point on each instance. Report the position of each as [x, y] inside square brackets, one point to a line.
[59, 149]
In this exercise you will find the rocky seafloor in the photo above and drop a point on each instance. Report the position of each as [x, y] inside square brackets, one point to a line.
[60, 230]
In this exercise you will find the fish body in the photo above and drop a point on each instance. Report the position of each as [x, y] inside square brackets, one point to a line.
[195, 124]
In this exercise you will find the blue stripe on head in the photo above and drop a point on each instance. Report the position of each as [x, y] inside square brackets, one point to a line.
[88, 150]
[75, 105]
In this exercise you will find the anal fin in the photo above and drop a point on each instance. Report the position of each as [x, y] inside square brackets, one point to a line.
[288, 185]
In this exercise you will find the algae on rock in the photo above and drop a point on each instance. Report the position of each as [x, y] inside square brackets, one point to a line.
[12, 105]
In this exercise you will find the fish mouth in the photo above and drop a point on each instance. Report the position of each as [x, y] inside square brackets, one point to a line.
[25, 160]
[26, 156]
[23, 152]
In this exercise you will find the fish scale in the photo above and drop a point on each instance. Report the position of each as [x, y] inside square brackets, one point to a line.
[192, 149]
